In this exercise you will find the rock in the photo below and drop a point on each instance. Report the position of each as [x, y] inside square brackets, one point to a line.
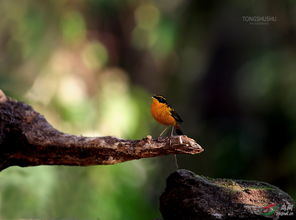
[191, 197]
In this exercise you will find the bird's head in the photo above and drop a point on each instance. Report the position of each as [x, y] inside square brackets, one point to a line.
[159, 98]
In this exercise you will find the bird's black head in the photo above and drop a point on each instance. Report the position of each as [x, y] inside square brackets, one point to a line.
[160, 98]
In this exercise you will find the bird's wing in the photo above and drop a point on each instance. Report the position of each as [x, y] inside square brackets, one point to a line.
[175, 115]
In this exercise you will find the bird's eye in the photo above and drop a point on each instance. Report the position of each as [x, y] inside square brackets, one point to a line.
[162, 100]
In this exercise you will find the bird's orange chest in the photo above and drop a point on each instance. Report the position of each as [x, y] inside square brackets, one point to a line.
[161, 113]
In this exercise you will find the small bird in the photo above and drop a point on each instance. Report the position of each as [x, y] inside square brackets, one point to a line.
[165, 114]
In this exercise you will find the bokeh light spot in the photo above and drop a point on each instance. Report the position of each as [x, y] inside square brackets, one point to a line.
[72, 90]
[95, 55]
[73, 27]
[147, 16]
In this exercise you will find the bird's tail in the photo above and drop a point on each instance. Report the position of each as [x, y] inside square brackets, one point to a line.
[178, 130]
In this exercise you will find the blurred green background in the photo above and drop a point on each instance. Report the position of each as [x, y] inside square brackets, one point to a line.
[91, 66]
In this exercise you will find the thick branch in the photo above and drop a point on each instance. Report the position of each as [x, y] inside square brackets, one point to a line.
[189, 196]
[27, 139]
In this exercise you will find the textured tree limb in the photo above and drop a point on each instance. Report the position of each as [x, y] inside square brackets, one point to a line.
[191, 197]
[27, 139]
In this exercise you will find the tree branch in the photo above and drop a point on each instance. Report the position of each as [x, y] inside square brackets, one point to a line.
[189, 196]
[27, 139]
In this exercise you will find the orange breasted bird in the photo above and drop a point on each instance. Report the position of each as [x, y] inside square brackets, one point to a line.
[163, 113]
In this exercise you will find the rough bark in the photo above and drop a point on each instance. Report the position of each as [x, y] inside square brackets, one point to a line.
[191, 197]
[27, 139]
